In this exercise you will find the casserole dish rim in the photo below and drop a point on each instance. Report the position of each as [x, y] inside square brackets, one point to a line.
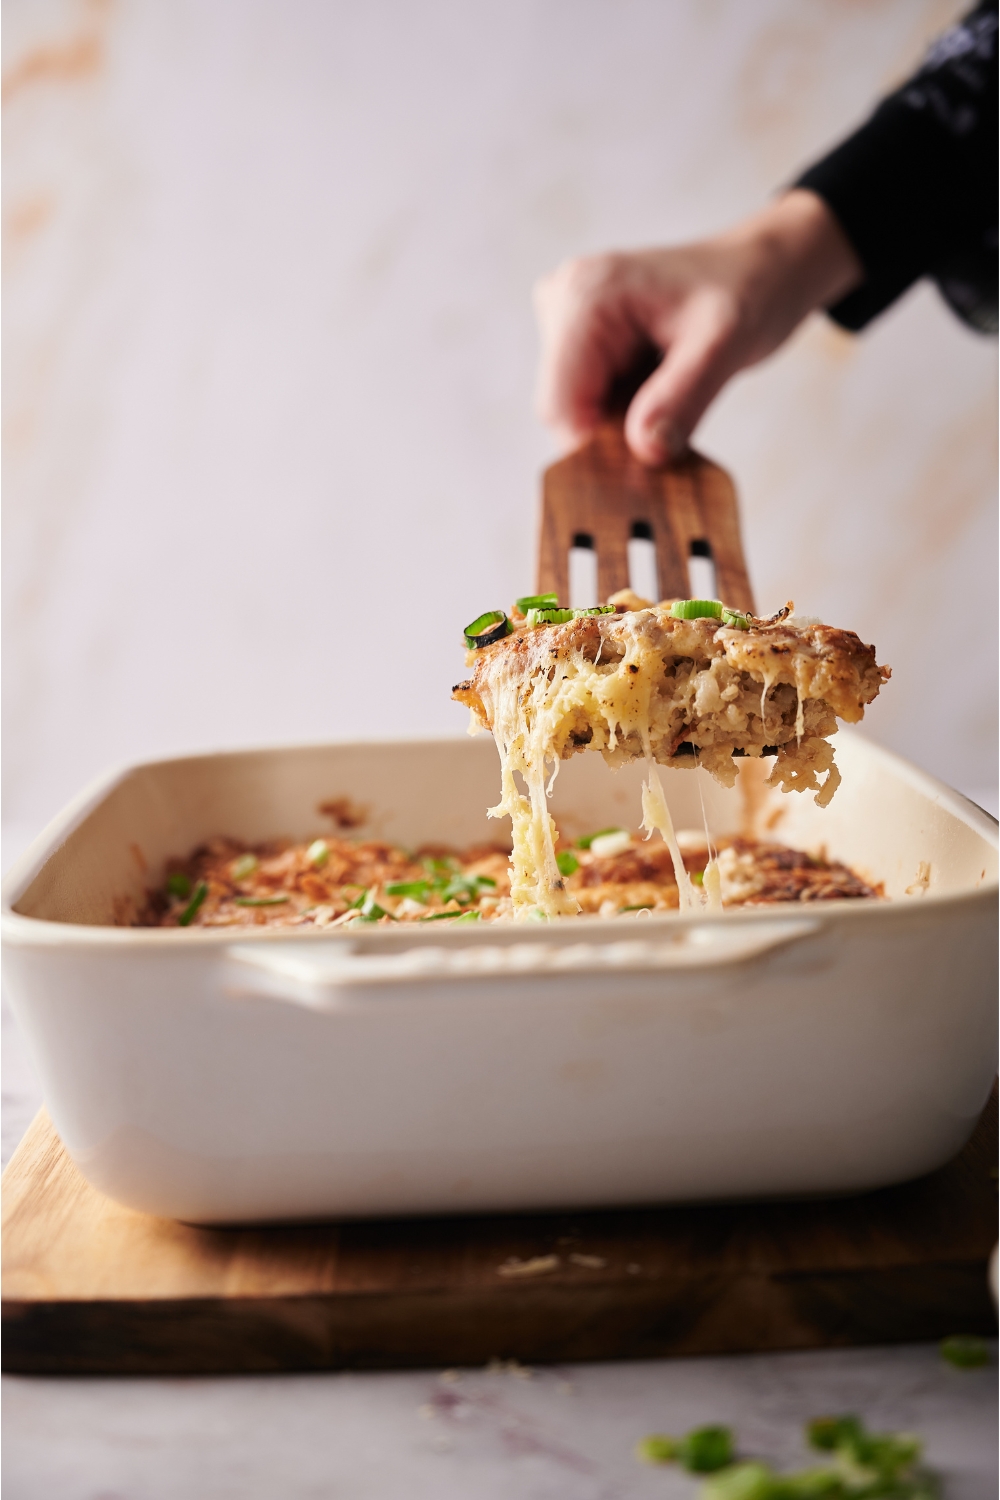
[19, 929]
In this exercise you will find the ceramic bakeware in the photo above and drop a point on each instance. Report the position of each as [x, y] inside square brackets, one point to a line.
[216, 1076]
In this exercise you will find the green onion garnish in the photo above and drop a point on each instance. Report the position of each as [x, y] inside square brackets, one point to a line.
[735, 619]
[187, 916]
[641, 906]
[418, 889]
[260, 900]
[442, 916]
[589, 838]
[368, 909]
[469, 916]
[179, 884]
[567, 862]
[534, 617]
[487, 628]
[536, 601]
[242, 867]
[467, 888]
[965, 1351]
[318, 853]
[698, 878]
[696, 609]
[537, 617]
[700, 1452]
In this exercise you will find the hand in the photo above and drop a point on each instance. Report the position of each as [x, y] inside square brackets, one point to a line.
[711, 308]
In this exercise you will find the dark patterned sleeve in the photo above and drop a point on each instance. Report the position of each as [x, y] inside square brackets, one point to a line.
[915, 189]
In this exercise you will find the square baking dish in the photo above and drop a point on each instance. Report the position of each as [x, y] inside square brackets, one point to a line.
[260, 1076]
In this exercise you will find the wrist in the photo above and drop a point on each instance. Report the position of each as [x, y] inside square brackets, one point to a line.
[796, 243]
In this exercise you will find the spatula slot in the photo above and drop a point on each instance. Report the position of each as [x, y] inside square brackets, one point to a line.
[582, 571]
[701, 570]
[642, 572]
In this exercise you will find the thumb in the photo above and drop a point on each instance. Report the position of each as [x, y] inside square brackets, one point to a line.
[668, 406]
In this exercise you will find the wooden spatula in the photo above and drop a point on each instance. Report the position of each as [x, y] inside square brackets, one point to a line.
[601, 496]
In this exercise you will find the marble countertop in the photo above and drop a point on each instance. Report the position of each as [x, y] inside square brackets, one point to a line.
[550, 1433]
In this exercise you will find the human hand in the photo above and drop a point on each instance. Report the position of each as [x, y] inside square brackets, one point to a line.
[712, 308]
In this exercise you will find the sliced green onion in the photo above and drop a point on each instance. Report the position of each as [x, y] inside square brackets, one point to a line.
[368, 909]
[700, 1452]
[567, 862]
[735, 619]
[589, 838]
[260, 900]
[441, 916]
[696, 609]
[467, 888]
[418, 889]
[487, 628]
[595, 609]
[187, 916]
[965, 1351]
[698, 878]
[640, 906]
[242, 867]
[536, 601]
[318, 853]
[179, 884]
[537, 617]
[469, 916]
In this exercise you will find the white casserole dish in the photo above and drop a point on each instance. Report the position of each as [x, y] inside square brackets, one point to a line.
[792, 1050]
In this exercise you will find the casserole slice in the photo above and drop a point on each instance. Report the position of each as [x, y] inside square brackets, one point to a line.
[651, 683]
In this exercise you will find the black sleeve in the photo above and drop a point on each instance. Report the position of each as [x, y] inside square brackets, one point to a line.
[915, 189]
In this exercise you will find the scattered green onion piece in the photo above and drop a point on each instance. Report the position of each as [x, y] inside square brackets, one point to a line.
[487, 628]
[589, 838]
[965, 1351]
[368, 909]
[536, 601]
[735, 619]
[441, 866]
[537, 915]
[243, 866]
[260, 900]
[418, 889]
[642, 906]
[469, 916]
[696, 609]
[698, 878]
[467, 888]
[536, 617]
[187, 916]
[595, 609]
[179, 884]
[441, 916]
[567, 862]
[702, 1451]
[318, 853]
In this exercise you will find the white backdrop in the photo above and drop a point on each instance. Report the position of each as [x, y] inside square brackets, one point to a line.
[270, 355]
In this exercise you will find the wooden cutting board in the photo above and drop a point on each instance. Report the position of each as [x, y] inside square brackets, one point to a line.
[90, 1287]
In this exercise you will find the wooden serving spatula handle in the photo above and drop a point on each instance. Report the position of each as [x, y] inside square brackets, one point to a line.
[603, 492]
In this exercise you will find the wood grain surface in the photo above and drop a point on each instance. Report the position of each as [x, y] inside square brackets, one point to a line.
[602, 490]
[90, 1287]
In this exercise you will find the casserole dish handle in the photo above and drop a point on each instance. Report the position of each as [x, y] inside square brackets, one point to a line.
[337, 976]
